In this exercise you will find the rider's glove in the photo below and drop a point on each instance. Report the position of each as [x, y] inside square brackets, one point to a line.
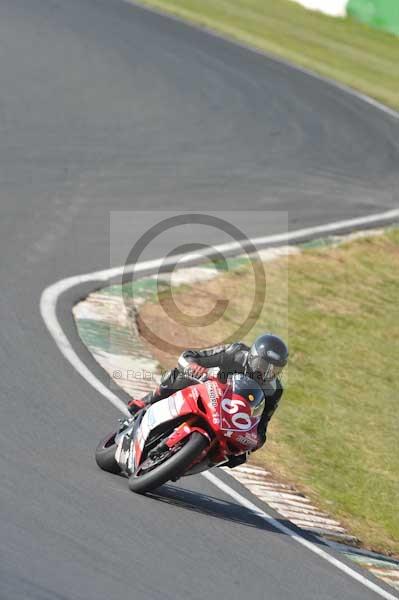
[195, 370]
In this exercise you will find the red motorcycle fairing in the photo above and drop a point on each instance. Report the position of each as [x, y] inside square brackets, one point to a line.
[177, 405]
[231, 418]
[229, 423]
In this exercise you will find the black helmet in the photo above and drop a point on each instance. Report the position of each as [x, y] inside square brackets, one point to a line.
[267, 357]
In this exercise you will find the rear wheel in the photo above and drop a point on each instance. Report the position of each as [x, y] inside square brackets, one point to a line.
[170, 465]
[105, 454]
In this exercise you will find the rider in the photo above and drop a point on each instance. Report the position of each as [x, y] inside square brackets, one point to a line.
[263, 362]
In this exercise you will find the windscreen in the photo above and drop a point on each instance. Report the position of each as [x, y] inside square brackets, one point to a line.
[248, 389]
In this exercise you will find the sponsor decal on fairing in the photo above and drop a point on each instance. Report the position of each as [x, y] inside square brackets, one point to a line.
[213, 394]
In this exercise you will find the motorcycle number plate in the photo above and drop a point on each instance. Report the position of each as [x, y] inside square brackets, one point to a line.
[234, 415]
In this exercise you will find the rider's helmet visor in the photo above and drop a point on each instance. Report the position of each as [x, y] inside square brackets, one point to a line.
[262, 369]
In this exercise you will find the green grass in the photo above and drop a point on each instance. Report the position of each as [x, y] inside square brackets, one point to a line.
[342, 49]
[336, 433]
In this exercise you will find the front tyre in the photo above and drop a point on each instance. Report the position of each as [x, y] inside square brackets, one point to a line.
[149, 477]
[105, 454]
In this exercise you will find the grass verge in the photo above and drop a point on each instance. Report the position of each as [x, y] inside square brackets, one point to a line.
[342, 49]
[337, 431]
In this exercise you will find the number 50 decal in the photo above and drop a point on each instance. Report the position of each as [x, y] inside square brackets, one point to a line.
[239, 420]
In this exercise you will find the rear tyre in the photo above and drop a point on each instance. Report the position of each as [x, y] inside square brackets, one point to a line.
[105, 454]
[172, 468]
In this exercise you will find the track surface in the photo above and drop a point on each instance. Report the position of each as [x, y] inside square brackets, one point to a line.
[103, 107]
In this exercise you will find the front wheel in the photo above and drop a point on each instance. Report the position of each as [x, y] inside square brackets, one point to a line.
[153, 474]
[105, 454]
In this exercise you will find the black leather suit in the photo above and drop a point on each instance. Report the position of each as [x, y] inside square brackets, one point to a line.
[230, 359]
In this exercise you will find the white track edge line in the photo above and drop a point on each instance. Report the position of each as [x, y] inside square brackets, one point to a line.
[48, 311]
[188, 22]
[278, 238]
[295, 536]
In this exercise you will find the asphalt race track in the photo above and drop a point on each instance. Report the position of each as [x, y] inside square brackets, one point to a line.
[103, 107]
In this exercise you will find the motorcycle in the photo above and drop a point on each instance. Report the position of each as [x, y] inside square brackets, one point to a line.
[192, 430]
